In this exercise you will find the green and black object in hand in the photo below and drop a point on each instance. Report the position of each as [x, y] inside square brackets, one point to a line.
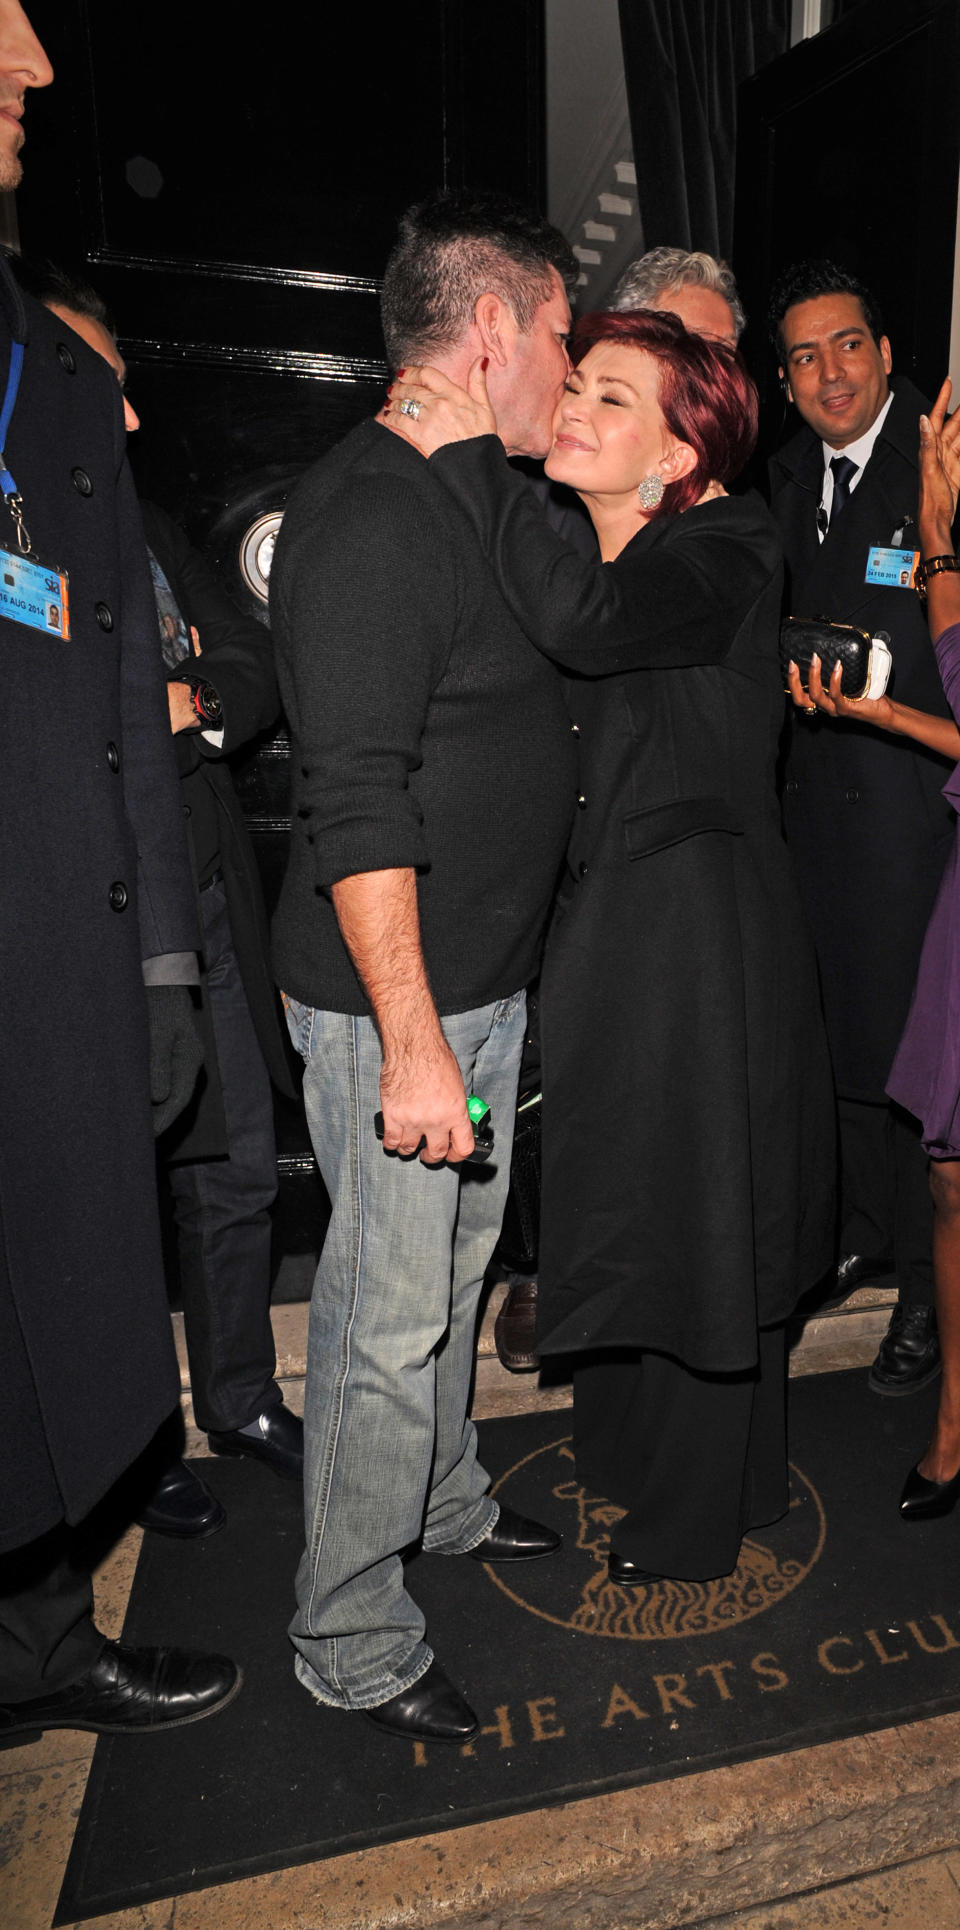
[482, 1125]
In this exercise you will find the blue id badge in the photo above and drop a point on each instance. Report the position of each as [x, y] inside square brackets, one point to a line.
[34, 594]
[895, 569]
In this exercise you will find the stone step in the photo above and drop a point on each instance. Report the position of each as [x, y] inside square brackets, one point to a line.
[846, 1336]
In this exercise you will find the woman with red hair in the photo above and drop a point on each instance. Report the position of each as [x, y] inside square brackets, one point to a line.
[687, 1128]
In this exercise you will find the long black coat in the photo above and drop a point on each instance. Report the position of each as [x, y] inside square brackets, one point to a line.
[237, 656]
[96, 878]
[687, 1129]
[866, 824]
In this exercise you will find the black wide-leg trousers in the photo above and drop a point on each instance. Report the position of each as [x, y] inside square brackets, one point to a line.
[695, 1459]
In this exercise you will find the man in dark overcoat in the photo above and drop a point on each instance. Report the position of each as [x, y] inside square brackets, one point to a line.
[98, 903]
[220, 1152]
[865, 820]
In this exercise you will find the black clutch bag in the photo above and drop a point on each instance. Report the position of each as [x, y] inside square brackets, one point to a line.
[866, 660]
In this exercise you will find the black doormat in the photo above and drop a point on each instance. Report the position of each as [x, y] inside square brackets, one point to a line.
[838, 1620]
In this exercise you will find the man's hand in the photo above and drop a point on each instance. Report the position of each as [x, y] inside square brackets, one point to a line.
[423, 1099]
[180, 697]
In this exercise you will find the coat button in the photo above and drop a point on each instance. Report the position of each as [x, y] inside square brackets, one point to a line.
[581, 802]
[791, 786]
[853, 797]
[582, 869]
[65, 358]
[575, 729]
[186, 810]
[118, 895]
[104, 616]
[81, 482]
[113, 756]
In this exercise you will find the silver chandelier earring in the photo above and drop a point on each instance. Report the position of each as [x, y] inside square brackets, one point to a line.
[650, 491]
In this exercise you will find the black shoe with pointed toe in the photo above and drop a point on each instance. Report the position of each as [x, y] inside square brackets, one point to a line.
[626, 1574]
[514, 1538]
[923, 1500]
[431, 1710]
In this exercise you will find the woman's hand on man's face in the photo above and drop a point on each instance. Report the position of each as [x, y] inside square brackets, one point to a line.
[428, 410]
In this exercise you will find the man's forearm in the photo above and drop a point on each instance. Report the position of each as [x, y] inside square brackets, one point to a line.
[421, 1088]
[380, 926]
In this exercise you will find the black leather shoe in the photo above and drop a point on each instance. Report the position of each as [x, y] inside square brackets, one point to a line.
[514, 1326]
[909, 1354]
[278, 1441]
[626, 1573]
[922, 1500]
[431, 1711]
[129, 1691]
[854, 1270]
[181, 1504]
[514, 1538]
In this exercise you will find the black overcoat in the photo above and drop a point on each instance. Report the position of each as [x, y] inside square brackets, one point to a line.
[96, 878]
[237, 656]
[688, 1112]
[867, 826]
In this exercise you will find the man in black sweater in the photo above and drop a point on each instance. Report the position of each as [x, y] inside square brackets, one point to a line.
[433, 787]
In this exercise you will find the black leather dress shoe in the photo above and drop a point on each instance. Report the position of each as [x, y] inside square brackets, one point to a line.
[909, 1354]
[922, 1500]
[514, 1538]
[627, 1574]
[129, 1691]
[853, 1271]
[278, 1441]
[181, 1504]
[514, 1326]
[431, 1711]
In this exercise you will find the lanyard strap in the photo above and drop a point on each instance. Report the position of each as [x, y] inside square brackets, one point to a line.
[11, 494]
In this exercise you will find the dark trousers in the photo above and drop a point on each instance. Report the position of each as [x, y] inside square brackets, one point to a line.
[696, 1459]
[47, 1634]
[886, 1208]
[222, 1210]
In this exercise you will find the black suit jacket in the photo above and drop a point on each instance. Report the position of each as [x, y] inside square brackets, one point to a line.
[95, 878]
[237, 657]
[863, 811]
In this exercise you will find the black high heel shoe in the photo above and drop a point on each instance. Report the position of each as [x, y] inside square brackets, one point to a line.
[921, 1499]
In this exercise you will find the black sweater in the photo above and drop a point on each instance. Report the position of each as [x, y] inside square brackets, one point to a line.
[426, 731]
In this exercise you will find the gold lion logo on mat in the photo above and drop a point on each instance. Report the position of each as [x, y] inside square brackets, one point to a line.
[582, 1596]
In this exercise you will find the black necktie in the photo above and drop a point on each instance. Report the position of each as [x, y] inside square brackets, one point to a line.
[843, 471]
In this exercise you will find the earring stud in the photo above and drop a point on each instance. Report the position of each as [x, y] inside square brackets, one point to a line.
[650, 491]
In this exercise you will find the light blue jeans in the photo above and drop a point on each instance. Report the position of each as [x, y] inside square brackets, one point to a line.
[390, 1454]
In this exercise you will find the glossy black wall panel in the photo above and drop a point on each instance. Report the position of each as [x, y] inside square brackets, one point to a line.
[850, 147]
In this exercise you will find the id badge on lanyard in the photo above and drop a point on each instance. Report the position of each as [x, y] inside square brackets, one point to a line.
[32, 592]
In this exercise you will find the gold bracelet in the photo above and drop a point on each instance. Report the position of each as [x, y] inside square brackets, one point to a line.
[933, 566]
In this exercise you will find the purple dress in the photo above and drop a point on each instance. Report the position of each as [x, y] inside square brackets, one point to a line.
[925, 1077]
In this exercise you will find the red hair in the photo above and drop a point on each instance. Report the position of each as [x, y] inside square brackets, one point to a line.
[706, 396]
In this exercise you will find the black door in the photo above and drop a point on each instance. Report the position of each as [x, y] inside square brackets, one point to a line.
[231, 184]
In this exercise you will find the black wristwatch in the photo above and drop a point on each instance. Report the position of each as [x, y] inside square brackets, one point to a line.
[205, 701]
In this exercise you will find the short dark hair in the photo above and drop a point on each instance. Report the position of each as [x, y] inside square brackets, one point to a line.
[55, 288]
[453, 248]
[707, 398]
[803, 282]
